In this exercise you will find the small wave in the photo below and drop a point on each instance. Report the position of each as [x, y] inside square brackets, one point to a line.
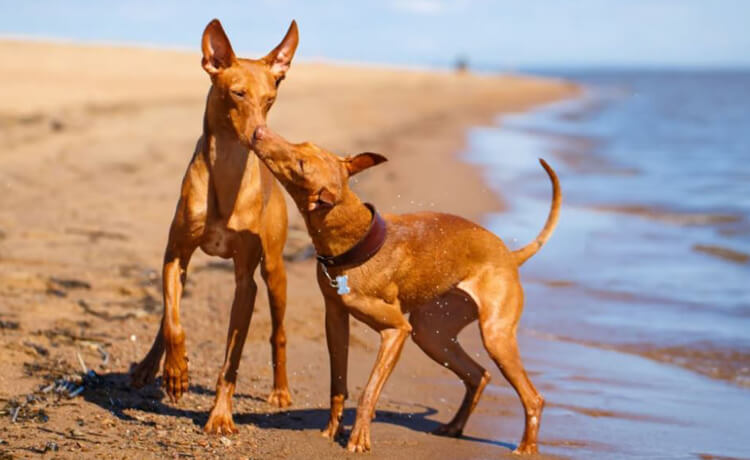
[599, 413]
[704, 456]
[671, 217]
[731, 364]
[728, 364]
[723, 253]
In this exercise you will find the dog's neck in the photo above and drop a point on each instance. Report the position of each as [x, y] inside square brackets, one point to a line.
[226, 151]
[336, 231]
[220, 136]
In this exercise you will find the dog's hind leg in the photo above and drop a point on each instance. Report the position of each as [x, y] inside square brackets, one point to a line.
[500, 303]
[145, 371]
[435, 329]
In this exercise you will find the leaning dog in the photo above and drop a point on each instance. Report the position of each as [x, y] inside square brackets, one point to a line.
[230, 206]
[442, 270]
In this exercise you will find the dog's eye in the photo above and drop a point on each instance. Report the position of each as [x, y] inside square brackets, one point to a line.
[239, 93]
[269, 102]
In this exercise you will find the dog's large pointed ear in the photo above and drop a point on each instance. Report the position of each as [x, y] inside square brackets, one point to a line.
[323, 199]
[362, 161]
[280, 58]
[217, 51]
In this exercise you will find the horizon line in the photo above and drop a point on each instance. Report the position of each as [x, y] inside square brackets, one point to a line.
[481, 65]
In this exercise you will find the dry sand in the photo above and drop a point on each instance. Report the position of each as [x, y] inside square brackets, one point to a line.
[95, 141]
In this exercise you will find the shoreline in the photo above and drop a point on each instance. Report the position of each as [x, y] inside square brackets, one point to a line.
[601, 364]
[559, 130]
[90, 196]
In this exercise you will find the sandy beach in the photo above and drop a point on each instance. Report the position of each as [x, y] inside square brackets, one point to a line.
[96, 140]
[96, 143]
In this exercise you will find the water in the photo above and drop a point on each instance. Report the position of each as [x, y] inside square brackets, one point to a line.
[651, 253]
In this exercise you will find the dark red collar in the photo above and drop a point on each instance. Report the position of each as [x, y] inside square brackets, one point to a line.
[364, 249]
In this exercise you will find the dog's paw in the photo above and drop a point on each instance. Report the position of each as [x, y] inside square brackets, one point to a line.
[526, 449]
[175, 370]
[220, 422]
[359, 441]
[280, 398]
[449, 430]
[176, 376]
[144, 372]
[333, 430]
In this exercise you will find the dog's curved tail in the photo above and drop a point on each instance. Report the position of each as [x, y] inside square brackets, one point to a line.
[526, 252]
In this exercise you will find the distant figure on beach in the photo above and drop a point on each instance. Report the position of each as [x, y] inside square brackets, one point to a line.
[462, 64]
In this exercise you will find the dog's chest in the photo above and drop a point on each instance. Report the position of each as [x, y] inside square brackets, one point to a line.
[238, 188]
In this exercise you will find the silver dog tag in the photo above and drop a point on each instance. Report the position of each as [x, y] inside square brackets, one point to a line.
[342, 287]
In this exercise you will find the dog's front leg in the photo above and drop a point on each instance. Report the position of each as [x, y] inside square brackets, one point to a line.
[337, 338]
[391, 343]
[176, 261]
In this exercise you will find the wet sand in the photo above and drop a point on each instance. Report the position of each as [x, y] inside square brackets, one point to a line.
[613, 283]
[96, 140]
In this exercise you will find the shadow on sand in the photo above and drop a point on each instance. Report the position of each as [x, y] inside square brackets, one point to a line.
[112, 392]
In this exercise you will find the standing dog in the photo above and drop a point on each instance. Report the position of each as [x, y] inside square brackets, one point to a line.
[231, 207]
[441, 269]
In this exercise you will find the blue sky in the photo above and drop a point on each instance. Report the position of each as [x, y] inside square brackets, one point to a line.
[492, 34]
